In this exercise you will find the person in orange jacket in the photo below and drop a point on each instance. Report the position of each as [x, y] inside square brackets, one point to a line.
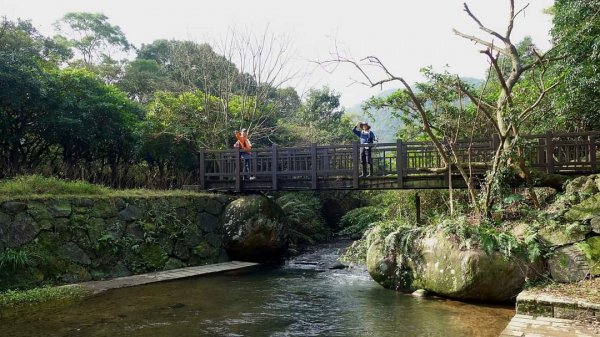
[243, 142]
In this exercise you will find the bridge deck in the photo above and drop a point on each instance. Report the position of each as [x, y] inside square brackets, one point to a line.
[400, 165]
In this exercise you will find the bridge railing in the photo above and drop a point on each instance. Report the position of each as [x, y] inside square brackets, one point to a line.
[318, 166]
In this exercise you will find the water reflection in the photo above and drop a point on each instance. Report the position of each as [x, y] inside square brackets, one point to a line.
[278, 302]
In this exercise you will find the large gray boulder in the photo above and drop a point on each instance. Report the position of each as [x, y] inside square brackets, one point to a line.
[437, 264]
[255, 229]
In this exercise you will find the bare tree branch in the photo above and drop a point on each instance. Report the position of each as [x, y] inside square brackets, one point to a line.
[480, 41]
[484, 28]
[499, 75]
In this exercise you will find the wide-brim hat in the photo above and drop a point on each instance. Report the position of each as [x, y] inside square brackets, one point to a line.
[361, 124]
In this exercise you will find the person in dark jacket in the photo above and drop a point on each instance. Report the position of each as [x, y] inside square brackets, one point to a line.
[363, 131]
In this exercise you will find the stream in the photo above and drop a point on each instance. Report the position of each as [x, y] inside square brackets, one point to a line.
[302, 298]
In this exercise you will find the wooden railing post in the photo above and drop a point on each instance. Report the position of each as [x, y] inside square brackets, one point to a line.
[274, 167]
[399, 163]
[238, 175]
[254, 168]
[549, 153]
[355, 161]
[418, 207]
[201, 161]
[592, 148]
[313, 166]
[541, 153]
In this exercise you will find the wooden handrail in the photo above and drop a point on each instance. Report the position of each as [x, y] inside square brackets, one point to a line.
[403, 164]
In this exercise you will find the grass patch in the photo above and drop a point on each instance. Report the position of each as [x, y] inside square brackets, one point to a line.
[15, 298]
[36, 184]
[40, 187]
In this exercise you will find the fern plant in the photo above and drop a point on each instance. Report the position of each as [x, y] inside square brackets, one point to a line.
[357, 221]
[303, 214]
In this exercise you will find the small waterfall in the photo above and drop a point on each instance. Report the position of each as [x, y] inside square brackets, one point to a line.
[320, 257]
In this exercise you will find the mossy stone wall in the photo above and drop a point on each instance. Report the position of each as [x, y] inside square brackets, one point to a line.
[67, 240]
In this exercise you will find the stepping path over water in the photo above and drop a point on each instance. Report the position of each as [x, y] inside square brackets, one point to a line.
[167, 275]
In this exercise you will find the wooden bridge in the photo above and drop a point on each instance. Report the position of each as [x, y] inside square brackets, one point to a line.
[399, 165]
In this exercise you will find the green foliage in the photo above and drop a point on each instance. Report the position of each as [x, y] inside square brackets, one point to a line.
[13, 259]
[14, 298]
[37, 184]
[358, 220]
[184, 66]
[576, 36]
[23, 97]
[356, 253]
[303, 213]
[162, 218]
[397, 207]
[491, 238]
[320, 119]
[92, 35]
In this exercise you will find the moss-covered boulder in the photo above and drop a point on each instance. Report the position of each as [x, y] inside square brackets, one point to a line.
[584, 186]
[437, 264]
[385, 269]
[568, 264]
[564, 234]
[585, 210]
[255, 229]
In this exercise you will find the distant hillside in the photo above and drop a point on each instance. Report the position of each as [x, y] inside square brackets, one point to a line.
[383, 124]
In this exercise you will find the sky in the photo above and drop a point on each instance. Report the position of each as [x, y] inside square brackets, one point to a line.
[406, 35]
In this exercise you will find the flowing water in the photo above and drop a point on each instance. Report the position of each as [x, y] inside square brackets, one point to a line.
[303, 298]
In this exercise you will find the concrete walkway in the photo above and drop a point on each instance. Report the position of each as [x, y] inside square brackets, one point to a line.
[543, 314]
[530, 326]
[167, 275]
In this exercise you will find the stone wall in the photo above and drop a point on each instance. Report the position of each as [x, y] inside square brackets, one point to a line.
[545, 305]
[67, 240]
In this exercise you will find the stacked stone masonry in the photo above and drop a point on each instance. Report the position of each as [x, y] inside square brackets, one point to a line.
[66, 240]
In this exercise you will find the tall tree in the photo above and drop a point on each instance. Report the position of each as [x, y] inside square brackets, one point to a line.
[25, 56]
[94, 124]
[576, 34]
[92, 36]
[320, 119]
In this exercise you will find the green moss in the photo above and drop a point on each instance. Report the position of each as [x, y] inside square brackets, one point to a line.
[205, 250]
[146, 257]
[153, 256]
[591, 249]
[587, 209]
